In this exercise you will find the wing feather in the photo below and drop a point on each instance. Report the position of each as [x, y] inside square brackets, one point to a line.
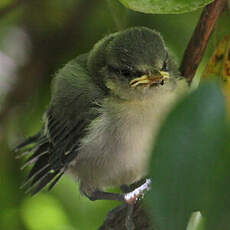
[65, 123]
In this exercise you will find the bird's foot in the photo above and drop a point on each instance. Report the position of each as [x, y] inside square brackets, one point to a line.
[131, 198]
[137, 193]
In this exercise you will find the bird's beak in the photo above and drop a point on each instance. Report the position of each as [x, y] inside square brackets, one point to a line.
[155, 79]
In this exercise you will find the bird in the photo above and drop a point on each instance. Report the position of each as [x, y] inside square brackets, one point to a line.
[106, 108]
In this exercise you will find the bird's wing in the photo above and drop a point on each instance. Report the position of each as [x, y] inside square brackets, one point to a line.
[65, 123]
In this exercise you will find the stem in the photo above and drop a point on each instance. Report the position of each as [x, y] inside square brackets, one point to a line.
[200, 38]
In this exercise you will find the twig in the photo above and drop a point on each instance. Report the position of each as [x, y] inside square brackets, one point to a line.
[200, 38]
[117, 221]
[10, 7]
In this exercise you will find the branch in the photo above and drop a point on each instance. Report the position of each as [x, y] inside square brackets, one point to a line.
[116, 221]
[200, 38]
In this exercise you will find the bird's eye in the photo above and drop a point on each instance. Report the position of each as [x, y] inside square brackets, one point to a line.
[123, 72]
[165, 66]
[127, 72]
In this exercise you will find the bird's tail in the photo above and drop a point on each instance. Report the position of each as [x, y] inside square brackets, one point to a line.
[37, 149]
[28, 141]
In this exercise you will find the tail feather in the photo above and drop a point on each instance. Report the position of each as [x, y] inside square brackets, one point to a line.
[54, 182]
[41, 173]
[42, 182]
[46, 153]
[38, 152]
[28, 141]
[25, 152]
[35, 171]
[35, 182]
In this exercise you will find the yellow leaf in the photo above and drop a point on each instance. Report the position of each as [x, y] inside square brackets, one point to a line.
[218, 66]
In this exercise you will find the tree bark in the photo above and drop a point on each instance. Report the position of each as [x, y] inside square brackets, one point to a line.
[199, 40]
[117, 220]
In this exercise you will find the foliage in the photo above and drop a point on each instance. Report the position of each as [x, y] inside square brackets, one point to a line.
[190, 162]
[218, 66]
[164, 7]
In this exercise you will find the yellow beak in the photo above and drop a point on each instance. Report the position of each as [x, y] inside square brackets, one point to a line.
[150, 80]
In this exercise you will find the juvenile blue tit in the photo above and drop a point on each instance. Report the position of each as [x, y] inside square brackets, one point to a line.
[106, 108]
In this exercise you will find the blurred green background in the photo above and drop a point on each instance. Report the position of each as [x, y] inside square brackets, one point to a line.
[36, 38]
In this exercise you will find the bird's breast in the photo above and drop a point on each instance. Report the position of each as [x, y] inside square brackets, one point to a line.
[118, 145]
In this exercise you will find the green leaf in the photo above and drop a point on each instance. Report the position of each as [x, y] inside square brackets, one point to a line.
[184, 162]
[218, 210]
[5, 3]
[164, 7]
[44, 212]
[196, 222]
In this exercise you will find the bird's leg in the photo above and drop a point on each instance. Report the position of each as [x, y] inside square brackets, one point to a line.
[133, 196]
[129, 197]
[100, 195]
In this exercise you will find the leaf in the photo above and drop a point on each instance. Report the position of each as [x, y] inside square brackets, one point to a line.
[44, 212]
[196, 222]
[5, 3]
[184, 160]
[164, 7]
[218, 210]
[218, 66]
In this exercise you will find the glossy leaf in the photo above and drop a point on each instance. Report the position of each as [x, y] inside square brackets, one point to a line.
[184, 164]
[44, 212]
[219, 66]
[164, 7]
[218, 210]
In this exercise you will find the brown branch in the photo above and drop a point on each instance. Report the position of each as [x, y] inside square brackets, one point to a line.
[10, 7]
[117, 220]
[200, 38]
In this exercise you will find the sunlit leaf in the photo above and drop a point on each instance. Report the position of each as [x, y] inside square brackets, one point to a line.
[219, 66]
[5, 3]
[164, 7]
[218, 210]
[183, 165]
[196, 222]
[44, 212]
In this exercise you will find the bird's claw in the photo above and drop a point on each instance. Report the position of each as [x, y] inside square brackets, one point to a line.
[137, 193]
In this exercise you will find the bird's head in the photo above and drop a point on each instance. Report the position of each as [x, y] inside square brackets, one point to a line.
[132, 62]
